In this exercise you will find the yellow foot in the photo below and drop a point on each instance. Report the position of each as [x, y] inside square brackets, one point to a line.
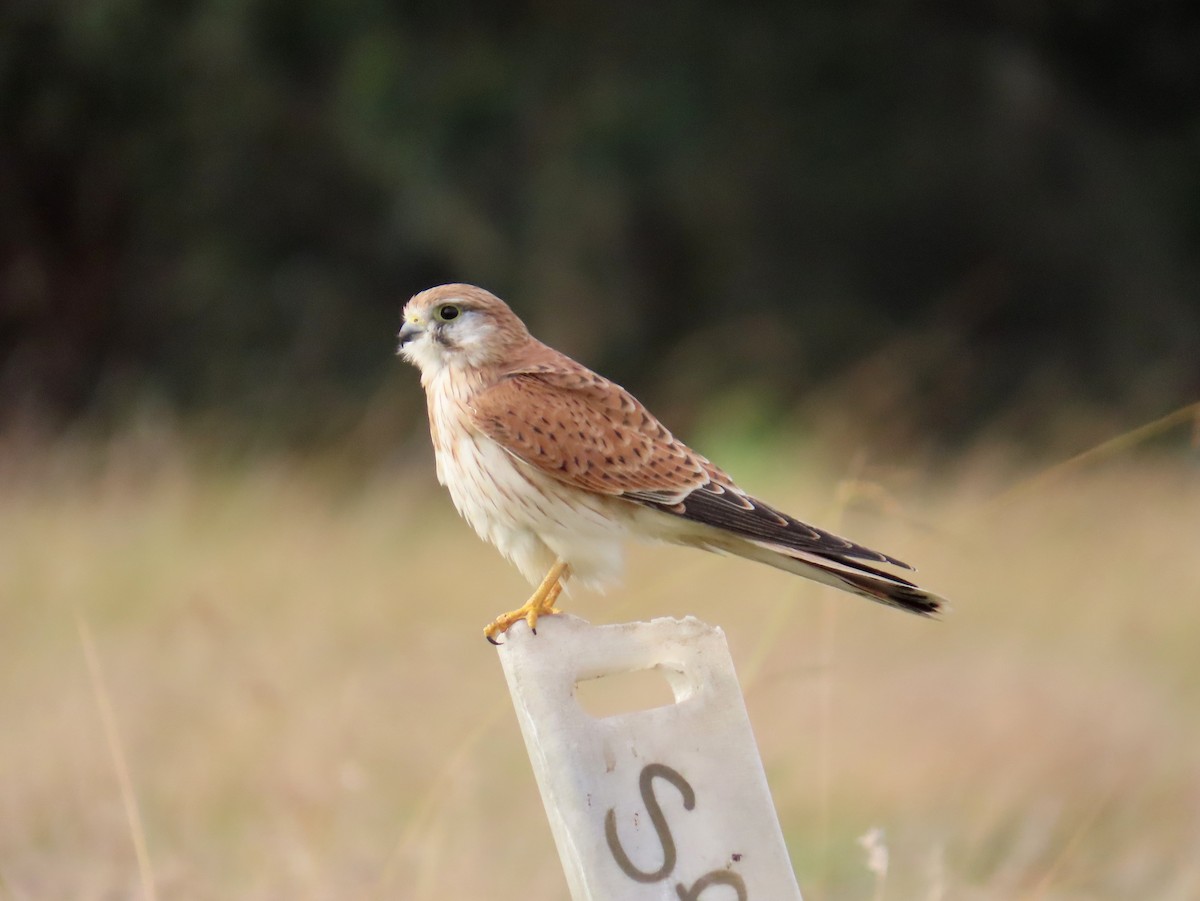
[541, 604]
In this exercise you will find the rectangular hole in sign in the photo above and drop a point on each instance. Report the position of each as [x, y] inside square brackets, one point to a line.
[624, 692]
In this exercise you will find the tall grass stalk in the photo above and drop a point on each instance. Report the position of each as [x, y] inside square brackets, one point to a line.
[108, 720]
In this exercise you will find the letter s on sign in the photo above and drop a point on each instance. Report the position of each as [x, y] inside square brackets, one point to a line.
[646, 785]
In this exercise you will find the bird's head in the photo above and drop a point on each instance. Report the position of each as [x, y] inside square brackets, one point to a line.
[458, 325]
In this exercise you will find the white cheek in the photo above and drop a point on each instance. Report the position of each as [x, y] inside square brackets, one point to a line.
[468, 344]
[472, 336]
[424, 353]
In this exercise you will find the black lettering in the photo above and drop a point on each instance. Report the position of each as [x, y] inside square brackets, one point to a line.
[646, 784]
[716, 877]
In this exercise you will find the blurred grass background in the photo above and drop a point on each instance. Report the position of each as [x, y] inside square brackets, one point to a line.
[307, 707]
[888, 264]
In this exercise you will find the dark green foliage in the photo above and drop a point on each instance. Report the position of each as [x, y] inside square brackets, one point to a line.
[221, 206]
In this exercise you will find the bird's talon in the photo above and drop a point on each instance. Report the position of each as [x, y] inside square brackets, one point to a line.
[541, 604]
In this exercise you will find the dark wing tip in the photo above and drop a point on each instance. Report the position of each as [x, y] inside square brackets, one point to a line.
[890, 589]
[914, 600]
[899, 594]
[725, 507]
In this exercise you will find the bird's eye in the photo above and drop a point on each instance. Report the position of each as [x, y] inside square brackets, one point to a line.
[447, 311]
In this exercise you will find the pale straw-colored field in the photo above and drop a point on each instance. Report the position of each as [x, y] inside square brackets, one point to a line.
[268, 680]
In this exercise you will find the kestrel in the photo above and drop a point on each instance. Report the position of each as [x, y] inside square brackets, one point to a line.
[557, 466]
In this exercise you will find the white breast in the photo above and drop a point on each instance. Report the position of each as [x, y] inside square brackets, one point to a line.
[532, 518]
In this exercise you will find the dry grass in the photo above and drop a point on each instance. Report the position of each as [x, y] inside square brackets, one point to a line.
[307, 709]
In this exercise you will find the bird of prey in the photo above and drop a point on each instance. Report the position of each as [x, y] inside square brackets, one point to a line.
[557, 466]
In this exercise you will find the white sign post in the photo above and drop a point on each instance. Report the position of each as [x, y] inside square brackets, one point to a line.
[669, 803]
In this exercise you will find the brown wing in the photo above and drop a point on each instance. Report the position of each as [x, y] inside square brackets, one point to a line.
[585, 431]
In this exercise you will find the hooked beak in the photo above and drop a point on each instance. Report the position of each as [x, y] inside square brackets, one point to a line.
[409, 332]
